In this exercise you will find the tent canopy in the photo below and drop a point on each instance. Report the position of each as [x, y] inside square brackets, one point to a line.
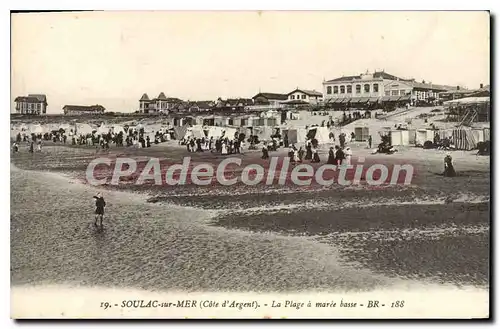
[84, 129]
[37, 129]
[321, 134]
[468, 100]
[195, 132]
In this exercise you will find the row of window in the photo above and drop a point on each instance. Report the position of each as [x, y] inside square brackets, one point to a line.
[298, 96]
[397, 92]
[348, 89]
[30, 106]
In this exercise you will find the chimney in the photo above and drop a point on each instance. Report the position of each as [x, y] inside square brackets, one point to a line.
[458, 87]
[481, 86]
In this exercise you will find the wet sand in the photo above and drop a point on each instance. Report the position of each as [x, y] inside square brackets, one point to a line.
[241, 239]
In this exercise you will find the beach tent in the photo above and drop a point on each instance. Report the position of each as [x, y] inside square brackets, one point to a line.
[117, 129]
[423, 135]
[263, 133]
[478, 134]
[215, 132]
[486, 134]
[36, 129]
[321, 134]
[463, 139]
[103, 130]
[400, 137]
[361, 134]
[83, 129]
[195, 132]
[295, 135]
[65, 126]
[230, 132]
[22, 127]
[180, 132]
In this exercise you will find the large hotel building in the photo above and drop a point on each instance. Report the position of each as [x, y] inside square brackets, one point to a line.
[380, 87]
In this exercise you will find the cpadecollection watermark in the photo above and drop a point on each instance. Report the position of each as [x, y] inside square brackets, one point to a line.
[229, 172]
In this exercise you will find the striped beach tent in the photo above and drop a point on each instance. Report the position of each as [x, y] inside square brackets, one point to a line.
[464, 139]
[180, 132]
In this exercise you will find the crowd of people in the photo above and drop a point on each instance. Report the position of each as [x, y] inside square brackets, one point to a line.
[223, 144]
[128, 136]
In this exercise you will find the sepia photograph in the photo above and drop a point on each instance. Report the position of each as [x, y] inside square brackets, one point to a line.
[250, 164]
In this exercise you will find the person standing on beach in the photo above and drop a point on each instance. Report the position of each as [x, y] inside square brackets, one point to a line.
[99, 208]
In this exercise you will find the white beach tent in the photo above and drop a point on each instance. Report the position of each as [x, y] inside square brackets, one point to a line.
[321, 134]
[400, 137]
[84, 129]
[229, 132]
[103, 129]
[36, 129]
[423, 135]
[295, 135]
[117, 129]
[215, 132]
[65, 126]
[195, 132]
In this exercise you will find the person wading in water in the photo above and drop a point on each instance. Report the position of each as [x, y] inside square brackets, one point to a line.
[99, 208]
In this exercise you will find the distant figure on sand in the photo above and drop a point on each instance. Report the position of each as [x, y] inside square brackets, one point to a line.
[331, 156]
[347, 156]
[99, 208]
[449, 171]
[265, 153]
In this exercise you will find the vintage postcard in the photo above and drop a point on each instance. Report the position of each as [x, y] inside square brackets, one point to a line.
[250, 164]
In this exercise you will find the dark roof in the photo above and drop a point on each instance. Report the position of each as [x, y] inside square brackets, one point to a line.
[162, 96]
[91, 108]
[345, 78]
[307, 92]
[236, 101]
[386, 76]
[172, 100]
[203, 104]
[376, 75]
[431, 86]
[29, 99]
[40, 97]
[281, 97]
[144, 97]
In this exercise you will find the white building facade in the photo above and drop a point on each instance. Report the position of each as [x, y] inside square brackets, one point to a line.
[308, 96]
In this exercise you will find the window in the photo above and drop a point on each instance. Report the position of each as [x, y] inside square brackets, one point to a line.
[336, 90]
[375, 87]
[342, 89]
[329, 90]
[395, 93]
[303, 96]
[402, 92]
[358, 89]
[367, 88]
[388, 93]
[349, 89]
[292, 97]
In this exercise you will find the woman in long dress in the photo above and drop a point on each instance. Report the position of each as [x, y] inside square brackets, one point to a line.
[315, 157]
[348, 156]
[224, 148]
[331, 156]
[296, 157]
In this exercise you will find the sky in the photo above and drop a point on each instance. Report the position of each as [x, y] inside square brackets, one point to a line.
[111, 58]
